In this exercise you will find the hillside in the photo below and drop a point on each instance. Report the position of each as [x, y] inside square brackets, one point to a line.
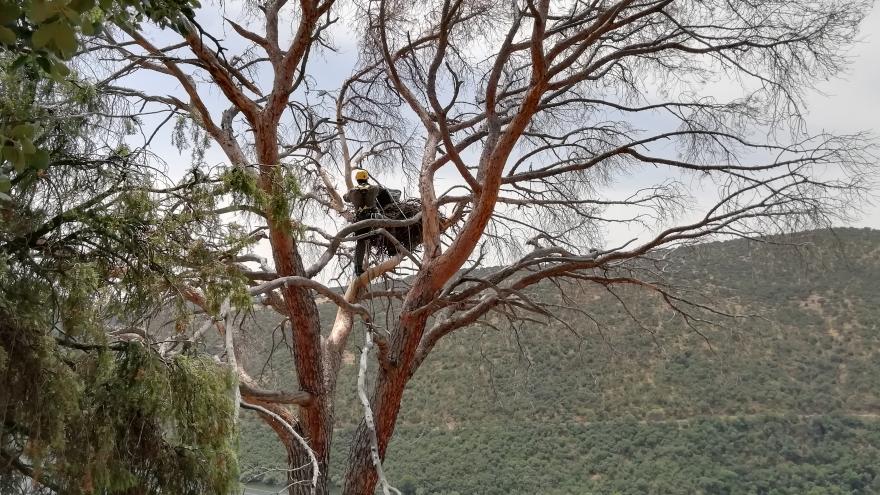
[781, 402]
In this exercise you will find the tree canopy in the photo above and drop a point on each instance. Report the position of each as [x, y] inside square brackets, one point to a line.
[86, 405]
[533, 111]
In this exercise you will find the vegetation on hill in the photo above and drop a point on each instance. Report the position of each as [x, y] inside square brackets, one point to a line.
[780, 402]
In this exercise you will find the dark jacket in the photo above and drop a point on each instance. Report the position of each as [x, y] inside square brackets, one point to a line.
[367, 198]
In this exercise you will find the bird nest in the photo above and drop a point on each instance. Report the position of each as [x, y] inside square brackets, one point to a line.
[410, 236]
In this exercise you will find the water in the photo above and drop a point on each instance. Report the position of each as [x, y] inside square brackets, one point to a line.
[263, 489]
[260, 489]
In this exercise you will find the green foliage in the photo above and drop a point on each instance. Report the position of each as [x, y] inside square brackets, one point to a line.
[756, 455]
[243, 186]
[47, 30]
[275, 199]
[84, 246]
[43, 34]
[112, 421]
[18, 128]
[189, 133]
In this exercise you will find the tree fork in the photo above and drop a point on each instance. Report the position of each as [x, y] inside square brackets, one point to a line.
[391, 381]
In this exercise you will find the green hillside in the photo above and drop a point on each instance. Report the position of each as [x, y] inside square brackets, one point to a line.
[785, 401]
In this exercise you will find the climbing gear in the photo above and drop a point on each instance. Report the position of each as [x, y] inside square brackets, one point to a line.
[361, 175]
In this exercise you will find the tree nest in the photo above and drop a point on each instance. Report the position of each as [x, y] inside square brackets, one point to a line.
[410, 237]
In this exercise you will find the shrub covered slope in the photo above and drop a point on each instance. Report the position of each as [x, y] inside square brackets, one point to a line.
[782, 402]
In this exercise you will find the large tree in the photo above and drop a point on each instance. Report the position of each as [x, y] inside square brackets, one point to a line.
[87, 403]
[533, 110]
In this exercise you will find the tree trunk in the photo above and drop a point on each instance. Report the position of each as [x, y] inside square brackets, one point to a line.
[361, 477]
[301, 471]
[314, 421]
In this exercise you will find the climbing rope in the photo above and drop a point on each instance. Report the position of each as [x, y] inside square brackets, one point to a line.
[369, 328]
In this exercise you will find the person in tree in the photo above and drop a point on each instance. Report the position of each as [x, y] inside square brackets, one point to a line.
[368, 201]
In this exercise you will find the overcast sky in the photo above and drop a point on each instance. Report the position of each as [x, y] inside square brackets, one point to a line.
[851, 103]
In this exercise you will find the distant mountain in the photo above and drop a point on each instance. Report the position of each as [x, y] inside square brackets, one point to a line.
[782, 402]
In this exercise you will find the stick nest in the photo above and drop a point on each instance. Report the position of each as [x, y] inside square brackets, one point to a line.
[410, 237]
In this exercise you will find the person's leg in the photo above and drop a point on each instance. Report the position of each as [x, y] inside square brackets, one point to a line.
[360, 251]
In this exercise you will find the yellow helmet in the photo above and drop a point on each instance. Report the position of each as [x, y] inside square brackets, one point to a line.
[361, 174]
